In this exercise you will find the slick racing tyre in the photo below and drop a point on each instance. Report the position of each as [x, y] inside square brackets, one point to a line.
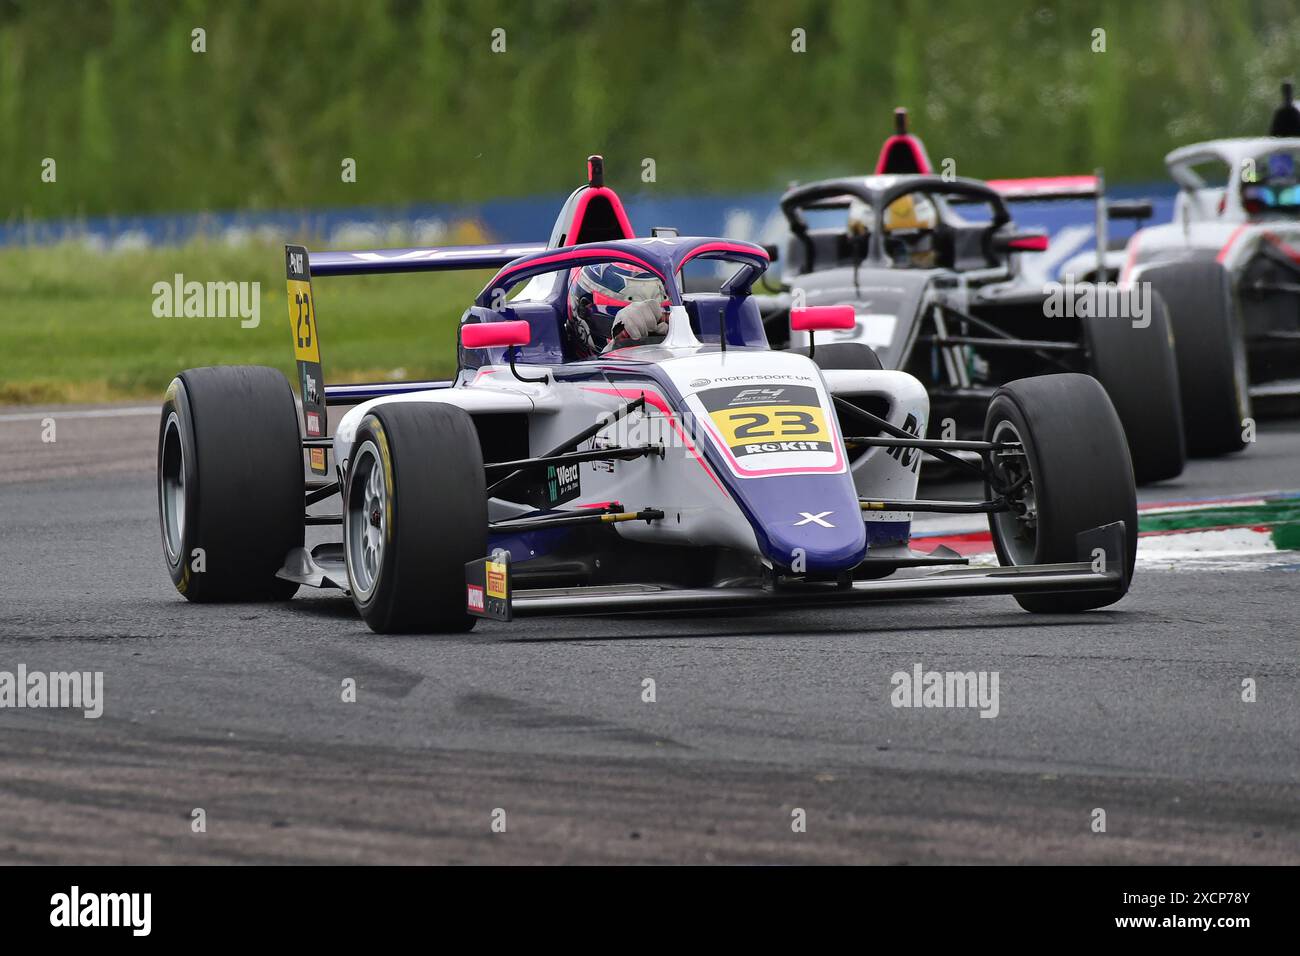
[414, 514]
[230, 483]
[1210, 350]
[1137, 368]
[1073, 473]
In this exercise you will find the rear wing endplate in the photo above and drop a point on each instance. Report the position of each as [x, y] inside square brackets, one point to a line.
[306, 351]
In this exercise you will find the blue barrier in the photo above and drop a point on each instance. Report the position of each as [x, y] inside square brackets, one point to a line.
[749, 216]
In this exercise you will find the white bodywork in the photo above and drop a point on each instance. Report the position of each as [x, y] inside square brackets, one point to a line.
[699, 509]
[1207, 219]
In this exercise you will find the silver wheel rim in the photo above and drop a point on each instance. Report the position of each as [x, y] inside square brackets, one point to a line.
[1016, 529]
[366, 522]
[171, 489]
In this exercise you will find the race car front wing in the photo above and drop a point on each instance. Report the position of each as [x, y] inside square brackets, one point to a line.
[1102, 565]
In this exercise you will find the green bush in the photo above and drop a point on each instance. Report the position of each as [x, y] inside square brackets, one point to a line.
[710, 89]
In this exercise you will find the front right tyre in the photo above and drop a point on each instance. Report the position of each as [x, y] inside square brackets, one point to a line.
[1072, 473]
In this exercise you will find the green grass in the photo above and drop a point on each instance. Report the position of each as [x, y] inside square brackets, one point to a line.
[78, 325]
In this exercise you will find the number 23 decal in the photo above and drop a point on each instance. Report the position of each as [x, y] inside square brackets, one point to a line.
[788, 424]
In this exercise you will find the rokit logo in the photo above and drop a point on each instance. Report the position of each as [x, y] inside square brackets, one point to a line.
[77, 909]
[908, 457]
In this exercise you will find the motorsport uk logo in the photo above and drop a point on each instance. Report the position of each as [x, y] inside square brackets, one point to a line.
[76, 909]
[78, 690]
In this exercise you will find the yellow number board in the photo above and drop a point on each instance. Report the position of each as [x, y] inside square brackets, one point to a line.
[302, 319]
[768, 419]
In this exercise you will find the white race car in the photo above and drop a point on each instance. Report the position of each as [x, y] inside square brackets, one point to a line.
[1228, 269]
[688, 467]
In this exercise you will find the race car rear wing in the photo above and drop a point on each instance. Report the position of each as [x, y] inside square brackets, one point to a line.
[301, 265]
[1047, 188]
[1064, 188]
[428, 259]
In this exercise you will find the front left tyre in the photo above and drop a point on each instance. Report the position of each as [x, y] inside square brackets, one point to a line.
[414, 514]
[230, 483]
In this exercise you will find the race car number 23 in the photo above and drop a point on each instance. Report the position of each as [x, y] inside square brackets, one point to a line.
[768, 419]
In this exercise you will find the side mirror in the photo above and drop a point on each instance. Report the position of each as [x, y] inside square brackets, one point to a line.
[1130, 209]
[493, 335]
[822, 318]
[1005, 242]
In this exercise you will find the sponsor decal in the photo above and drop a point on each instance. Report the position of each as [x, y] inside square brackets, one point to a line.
[317, 460]
[496, 579]
[473, 597]
[768, 419]
[563, 483]
[908, 457]
[774, 377]
[559, 484]
[807, 517]
[311, 395]
[487, 587]
[699, 383]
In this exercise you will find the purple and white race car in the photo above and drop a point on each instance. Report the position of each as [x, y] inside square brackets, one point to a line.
[691, 467]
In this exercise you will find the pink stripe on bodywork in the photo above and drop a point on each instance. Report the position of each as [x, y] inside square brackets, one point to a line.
[655, 399]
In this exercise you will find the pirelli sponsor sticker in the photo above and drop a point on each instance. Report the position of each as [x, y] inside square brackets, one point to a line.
[487, 587]
[496, 579]
[768, 419]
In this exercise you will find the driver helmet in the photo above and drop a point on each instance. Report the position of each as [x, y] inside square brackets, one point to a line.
[600, 291]
[859, 217]
[909, 225]
[597, 294]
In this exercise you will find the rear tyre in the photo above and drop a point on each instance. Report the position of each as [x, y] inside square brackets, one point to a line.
[414, 514]
[230, 483]
[1076, 475]
[1210, 351]
[1136, 367]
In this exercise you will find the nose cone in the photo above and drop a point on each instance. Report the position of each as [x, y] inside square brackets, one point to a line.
[806, 522]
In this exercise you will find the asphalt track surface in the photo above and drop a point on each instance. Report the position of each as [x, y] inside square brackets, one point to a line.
[237, 710]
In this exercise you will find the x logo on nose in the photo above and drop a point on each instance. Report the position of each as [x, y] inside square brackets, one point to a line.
[809, 518]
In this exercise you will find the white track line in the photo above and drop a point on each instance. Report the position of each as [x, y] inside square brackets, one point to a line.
[138, 410]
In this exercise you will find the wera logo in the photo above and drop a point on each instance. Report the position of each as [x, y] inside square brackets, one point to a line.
[75, 909]
[562, 482]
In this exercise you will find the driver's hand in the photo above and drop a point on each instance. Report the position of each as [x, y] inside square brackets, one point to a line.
[639, 319]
